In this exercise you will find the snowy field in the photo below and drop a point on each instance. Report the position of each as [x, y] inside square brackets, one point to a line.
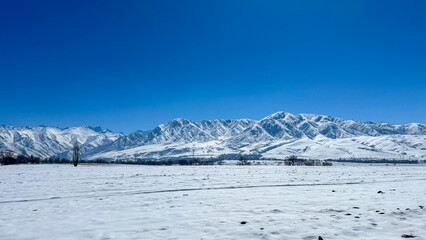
[212, 202]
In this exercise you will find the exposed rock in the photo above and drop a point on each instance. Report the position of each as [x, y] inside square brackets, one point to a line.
[408, 236]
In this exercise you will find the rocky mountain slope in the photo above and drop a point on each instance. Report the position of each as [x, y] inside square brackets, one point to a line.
[275, 136]
[278, 135]
[44, 141]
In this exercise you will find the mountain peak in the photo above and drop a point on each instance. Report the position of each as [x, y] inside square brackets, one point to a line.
[278, 115]
[178, 121]
[98, 129]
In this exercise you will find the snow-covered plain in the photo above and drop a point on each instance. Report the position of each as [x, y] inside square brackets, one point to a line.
[211, 202]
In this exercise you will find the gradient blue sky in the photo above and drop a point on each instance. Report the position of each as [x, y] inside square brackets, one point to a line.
[129, 65]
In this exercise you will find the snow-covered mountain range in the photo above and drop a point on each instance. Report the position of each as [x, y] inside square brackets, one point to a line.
[276, 136]
[45, 142]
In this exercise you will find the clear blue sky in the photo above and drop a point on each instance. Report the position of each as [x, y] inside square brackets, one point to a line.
[129, 65]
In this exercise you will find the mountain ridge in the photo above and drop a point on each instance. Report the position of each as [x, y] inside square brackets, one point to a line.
[316, 135]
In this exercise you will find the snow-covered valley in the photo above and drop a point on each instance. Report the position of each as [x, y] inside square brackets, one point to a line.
[212, 202]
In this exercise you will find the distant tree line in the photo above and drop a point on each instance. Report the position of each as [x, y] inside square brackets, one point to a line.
[238, 156]
[181, 161]
[362, 160]
[296, 161]
[8, 158]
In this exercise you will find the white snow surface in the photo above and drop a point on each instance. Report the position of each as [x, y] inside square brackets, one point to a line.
[210, 202]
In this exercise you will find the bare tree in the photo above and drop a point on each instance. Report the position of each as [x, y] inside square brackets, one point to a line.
[75, 154]
[7, 157]
[243, 161]
[292, 159]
